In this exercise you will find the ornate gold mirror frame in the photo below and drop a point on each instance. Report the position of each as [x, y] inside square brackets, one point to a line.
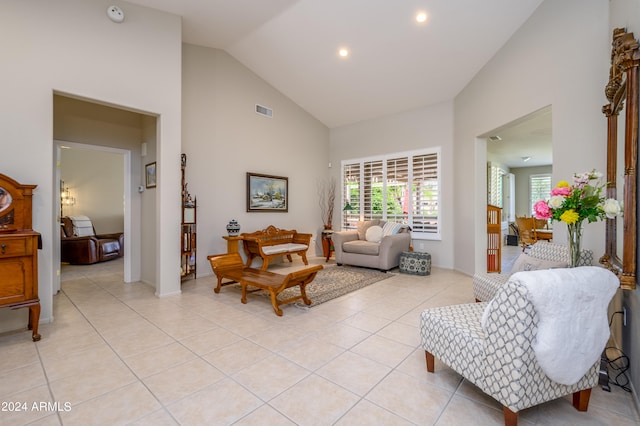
[622, 86]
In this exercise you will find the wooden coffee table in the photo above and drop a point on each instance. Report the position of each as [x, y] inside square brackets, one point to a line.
[231, 268]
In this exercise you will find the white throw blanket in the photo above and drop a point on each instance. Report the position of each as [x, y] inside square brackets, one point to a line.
[573, 330]
[82, 226]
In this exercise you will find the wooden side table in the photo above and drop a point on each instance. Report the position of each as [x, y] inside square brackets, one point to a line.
[232, 243]
[327, 244]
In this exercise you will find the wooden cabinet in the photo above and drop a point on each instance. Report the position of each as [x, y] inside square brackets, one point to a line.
[18, 252]
[188, 243]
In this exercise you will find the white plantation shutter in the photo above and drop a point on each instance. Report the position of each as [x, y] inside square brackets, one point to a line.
[426, 194]
[372, 190]
[351, 189]
[539, 188]
[351, 176]
[403, 188]
[396, 193]
[494, 181]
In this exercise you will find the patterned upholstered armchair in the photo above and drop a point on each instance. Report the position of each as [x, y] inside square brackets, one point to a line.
[493, 344]
[541, 255]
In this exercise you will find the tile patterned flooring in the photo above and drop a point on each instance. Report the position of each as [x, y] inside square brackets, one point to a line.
[119, 355]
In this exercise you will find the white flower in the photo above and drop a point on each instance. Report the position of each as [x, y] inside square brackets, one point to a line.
[612, 208]
[556, 201]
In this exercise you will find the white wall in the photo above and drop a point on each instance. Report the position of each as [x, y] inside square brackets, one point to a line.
[71, 47]
[148, 202]
[96, 180]
[224, 139]
[93, 171]
[116, 130]
[421, 128]
[522, 174]
[546, 62]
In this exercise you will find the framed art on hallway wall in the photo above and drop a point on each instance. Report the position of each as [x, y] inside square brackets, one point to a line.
[150, 175]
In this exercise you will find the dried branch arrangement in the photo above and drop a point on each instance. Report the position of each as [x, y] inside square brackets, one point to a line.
[326, 200]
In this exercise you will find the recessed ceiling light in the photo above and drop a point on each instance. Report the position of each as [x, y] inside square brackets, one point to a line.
[343, 52]
[421, 17]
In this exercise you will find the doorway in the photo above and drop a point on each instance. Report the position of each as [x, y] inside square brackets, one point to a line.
[515, 152]
[92, 182]
[82, 125]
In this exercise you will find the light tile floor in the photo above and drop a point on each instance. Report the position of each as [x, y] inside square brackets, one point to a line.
[119, 355]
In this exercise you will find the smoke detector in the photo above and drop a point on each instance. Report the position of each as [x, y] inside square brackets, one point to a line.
[115, 14]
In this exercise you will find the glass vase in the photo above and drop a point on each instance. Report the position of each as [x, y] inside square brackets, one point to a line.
[575, 240]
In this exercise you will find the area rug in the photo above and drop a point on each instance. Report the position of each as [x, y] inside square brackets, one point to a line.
[332, 282]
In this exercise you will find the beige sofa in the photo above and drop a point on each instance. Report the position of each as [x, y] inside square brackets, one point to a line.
[354, 248]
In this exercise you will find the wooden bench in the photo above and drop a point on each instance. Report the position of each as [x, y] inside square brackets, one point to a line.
[272, 242]
[231, 267]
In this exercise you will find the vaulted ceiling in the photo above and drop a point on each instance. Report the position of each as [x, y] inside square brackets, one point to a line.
[395, 64]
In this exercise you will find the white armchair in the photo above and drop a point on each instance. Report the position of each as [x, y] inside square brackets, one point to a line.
[379, 251]
[502, 346]
[541, 255]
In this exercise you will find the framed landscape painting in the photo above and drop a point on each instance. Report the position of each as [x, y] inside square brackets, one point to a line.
[266, 193]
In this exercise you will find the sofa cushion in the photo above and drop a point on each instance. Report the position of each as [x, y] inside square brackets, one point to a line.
[363, 226]
[391, 228]
[283, 248]
[361, 247]
[524, 262]
[374, 234]
[82, 226]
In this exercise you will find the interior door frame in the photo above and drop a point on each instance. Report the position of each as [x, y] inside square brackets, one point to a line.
[58, 144]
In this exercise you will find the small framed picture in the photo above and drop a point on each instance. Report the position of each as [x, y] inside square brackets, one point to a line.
[150, 175]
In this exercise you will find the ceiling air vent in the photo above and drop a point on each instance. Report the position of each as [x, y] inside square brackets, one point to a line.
[495, 138]
[263, 110]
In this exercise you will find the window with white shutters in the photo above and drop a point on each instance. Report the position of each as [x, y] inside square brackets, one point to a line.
[397, 187]
[372, 176]
[425, 194]
[351, 195]
[494, 180]
[403, 187]
[539, 189]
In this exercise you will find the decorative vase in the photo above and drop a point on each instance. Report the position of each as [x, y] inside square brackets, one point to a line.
[233, 228]
[575, 237]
